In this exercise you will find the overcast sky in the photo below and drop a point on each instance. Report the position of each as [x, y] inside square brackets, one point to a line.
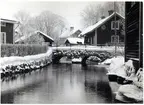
[69, 10]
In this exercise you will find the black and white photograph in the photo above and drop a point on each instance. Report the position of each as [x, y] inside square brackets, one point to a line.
[71, 52]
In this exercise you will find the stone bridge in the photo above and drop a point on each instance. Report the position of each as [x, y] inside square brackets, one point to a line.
[84, 54]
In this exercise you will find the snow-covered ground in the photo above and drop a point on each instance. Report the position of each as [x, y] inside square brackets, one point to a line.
[18, 64]
[119, 67]
[16, 60]
[115, 65]
[126, 70]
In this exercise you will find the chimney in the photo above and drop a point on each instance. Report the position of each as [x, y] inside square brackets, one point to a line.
[71, 28]
[102, 17]
[110, 12]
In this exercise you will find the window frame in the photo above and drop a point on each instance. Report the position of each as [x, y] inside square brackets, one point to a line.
[3, 36]
[113, 37]
[116, 22]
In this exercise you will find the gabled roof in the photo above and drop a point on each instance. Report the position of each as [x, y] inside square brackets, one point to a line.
[68, 33]
[75, 40]
[41, 33]
[99, 23]
[8, 21]
[76, 33]
[45, 35]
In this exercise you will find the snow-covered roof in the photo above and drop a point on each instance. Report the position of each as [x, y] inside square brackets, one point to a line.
[99, 23]
[8, 21]
[45, 35]
[75, 40]
[41, 33]
[68, 33]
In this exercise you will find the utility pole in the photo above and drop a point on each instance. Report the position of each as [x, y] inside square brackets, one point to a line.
[115, 31]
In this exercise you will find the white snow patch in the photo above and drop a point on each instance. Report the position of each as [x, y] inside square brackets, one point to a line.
[76, 59]
[107, 61]
[16, 60]
[131, 91]
[116, 62]
[117, 67]
[121, 68]
[90, 48]
[75, 40]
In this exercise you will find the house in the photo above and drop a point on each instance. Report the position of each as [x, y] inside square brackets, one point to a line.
[74, 41]
[72, 32]
[102, 33]
[36, 37]
[134, 34]
[75, 33]
[7, 31]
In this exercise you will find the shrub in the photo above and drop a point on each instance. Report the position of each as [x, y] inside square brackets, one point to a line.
[22, 49]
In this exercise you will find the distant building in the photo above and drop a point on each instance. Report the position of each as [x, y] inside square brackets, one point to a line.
[7, 31]
[37, 37]
[134, 33]
[72, 32]
[102, 33]
[74, 41]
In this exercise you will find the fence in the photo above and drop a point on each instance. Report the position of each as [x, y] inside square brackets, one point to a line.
[22, 49]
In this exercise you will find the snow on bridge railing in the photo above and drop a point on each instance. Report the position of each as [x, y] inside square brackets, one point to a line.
[88, 47]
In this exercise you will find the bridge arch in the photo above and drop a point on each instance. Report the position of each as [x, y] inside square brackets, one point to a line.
[56, 59]
[101, 56]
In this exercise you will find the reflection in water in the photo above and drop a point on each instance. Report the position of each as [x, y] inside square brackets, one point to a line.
[60, 83]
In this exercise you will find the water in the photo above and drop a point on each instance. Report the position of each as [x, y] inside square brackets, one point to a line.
[61, 83]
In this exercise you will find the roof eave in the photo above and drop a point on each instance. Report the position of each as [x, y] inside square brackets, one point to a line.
[9, 21]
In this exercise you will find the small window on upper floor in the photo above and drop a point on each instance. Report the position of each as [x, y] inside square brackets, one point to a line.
[3, 24]
[115, 25]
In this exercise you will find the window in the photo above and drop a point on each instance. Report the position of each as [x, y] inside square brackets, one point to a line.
[3, 37]
[114, 38]
[3, 24]
[115, 24]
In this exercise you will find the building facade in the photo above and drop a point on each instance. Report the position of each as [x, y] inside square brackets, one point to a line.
[134, 33]
[7, 31]
[102, 33]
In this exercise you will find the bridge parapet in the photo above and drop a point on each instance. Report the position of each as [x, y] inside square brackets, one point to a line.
[98, 55]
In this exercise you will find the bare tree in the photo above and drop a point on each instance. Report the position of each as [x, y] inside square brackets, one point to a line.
[93, 12]
[23, 18]
[35, 39]
[49, 23]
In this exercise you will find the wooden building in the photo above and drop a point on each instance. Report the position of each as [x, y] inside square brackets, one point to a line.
[74, 41]
[69, 33]
[36, 37]
[102, 33]
[7, 31]
[134, 33]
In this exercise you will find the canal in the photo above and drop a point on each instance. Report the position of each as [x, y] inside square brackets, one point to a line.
[60, 83]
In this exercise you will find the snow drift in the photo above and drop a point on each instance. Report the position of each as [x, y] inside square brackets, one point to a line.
[15, 64]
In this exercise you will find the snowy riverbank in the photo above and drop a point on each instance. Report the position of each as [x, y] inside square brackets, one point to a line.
[130, 84]
[17, 64]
